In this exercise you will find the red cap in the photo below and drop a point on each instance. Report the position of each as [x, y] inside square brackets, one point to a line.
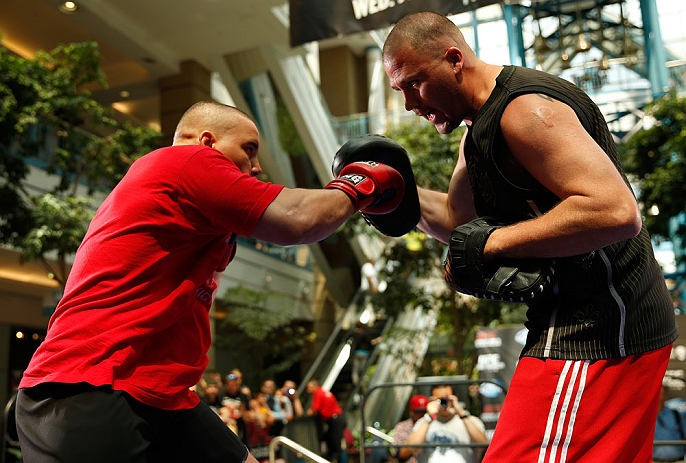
[418, 402]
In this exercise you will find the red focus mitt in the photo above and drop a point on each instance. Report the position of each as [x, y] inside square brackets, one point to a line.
[375, 188]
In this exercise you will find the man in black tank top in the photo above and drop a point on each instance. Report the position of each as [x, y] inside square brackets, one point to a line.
[538, 155]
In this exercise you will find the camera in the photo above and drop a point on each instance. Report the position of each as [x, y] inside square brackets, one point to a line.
[231, 377]
[290, 392]
[443, 402]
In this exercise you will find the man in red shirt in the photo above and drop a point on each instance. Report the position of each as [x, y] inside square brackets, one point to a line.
[131, 334]
[331, 419]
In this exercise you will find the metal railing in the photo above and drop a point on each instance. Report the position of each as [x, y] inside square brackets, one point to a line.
[439, 381]
[9, 440]
[292, 445]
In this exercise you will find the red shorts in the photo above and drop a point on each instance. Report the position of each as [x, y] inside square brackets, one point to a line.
[582, 411]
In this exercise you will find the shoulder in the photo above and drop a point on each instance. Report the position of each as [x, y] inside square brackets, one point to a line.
[536, 110]
[536, 121]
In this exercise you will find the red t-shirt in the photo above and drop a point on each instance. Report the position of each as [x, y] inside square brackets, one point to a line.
[135, 311]
[325, 403]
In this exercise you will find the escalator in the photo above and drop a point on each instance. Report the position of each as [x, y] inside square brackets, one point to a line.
[404, 342]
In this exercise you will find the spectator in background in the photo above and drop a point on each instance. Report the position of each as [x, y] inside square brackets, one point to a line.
[285, 403]
[229, 417]
[238, 404]
[446, 422]
[264, 417]
[331, 420]
[268, 388]
[216, 377]
[290, 391]
[402, 430]
[211, 395]
[670, 425]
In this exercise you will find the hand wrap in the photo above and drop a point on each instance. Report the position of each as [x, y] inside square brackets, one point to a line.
[511, 280]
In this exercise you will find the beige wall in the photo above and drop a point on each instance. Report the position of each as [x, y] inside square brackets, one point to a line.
[343, 80]
[179, 92]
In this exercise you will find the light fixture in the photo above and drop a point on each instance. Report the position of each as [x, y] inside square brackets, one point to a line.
[565, 61]
[124, 94]
[68, 7]
[564, 57]
[604, 64]
[582, 44]
[540, 44]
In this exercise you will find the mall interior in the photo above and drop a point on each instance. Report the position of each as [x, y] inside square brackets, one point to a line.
[160, 57]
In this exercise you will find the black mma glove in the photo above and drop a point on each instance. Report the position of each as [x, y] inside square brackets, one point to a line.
[405, 217]
[511, 280]
[374, 187]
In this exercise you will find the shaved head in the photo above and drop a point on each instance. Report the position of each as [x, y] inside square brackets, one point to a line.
[424, 31]
[207, 115]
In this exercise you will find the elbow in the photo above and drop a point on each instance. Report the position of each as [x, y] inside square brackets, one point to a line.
[627, 219]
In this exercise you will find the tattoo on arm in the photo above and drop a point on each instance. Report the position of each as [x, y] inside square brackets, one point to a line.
[545, 97]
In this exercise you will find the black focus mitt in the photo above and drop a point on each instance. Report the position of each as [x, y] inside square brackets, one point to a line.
[382, 149]
[511, 280]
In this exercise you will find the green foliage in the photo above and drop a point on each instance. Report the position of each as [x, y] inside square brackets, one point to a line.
[48, 118]
[59, 225]
[266, 339]
[288, 135]
[654, 158]
[433, 156]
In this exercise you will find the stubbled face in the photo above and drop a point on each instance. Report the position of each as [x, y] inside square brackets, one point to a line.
[240, 145]
[429, 86]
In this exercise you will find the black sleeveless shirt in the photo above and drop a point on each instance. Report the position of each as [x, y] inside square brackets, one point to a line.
[611, 302]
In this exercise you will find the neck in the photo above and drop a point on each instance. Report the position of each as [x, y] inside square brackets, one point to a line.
[482, 76]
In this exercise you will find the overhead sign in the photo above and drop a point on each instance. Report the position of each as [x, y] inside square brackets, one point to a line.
[313, 20]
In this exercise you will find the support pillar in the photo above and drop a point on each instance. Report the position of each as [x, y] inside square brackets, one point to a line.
[377, 97]
[179, 92]
[654, 50]
[475, 28]
[515, 40]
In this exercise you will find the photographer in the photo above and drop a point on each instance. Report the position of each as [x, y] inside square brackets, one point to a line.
[289, 391]
[446, 422]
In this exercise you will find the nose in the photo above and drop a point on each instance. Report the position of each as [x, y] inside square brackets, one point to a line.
[410, 101]
[255, 169]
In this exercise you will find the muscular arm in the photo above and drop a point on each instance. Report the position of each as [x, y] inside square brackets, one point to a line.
[301, 216]
[442, 212]
[597, 207]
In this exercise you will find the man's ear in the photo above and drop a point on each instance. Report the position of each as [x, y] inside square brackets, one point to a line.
[206, 138]
[455, 57]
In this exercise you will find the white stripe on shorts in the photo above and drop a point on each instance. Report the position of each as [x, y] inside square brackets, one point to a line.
[563, 432]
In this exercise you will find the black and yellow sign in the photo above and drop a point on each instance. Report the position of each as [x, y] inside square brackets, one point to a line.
[313, 20]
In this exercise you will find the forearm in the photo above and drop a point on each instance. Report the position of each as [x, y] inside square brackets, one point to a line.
[298, 407]
[301, 216]
[418, 436]
[475, 434]
[439, 216]
[571, 228]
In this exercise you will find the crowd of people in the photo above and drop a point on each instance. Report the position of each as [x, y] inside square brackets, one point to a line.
[255, 416]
